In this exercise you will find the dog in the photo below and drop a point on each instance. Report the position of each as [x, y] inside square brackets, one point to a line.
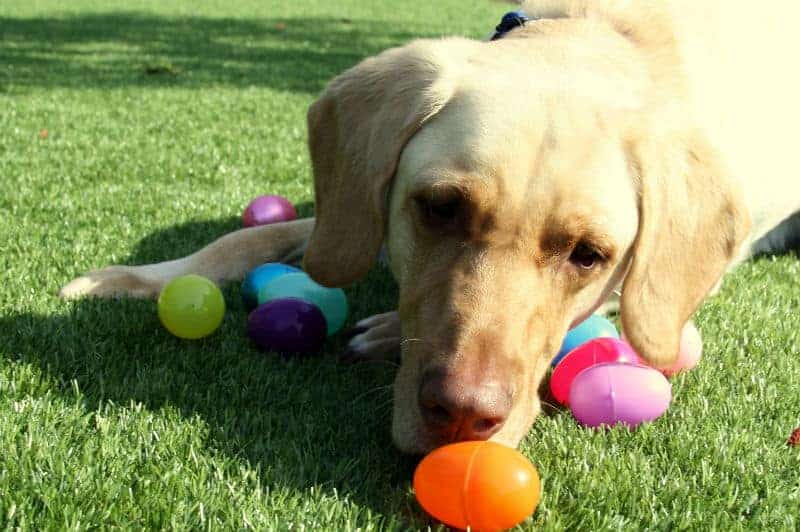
[644, 146]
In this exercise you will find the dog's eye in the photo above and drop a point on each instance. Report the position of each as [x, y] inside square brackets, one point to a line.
[585, 256]
[440, 211]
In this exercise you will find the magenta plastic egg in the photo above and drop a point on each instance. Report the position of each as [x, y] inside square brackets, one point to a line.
[584, 356]
[612, 393]
[268, 209]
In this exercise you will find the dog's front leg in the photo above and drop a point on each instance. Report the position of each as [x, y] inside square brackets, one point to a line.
[228, 258]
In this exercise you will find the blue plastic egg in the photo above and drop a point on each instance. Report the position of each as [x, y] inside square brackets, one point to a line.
[260, 276]
[595, 326]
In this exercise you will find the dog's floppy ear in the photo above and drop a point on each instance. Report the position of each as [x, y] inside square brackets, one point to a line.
[357, 130]
[691, 225]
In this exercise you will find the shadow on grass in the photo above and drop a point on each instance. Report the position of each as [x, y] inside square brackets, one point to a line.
[139, 49]
[302, 422]
[781, 240]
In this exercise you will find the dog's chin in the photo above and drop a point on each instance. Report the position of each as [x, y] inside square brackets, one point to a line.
[415, 444]
[411, 437]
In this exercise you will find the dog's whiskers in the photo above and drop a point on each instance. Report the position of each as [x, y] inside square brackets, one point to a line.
[369, 363]
[383, 412]
[371, 391]
[404, 341]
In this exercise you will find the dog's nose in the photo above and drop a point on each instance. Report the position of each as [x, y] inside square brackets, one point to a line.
[457, 412]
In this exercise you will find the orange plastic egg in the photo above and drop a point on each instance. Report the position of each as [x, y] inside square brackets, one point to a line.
[478, 484]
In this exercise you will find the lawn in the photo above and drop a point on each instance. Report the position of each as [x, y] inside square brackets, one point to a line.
[135, 132]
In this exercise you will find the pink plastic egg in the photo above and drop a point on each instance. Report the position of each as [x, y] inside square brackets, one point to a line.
[612, 393]
[690, 351]
[587, 355]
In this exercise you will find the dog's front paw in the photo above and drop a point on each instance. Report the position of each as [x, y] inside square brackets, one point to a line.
[113, 281]
[375, 338]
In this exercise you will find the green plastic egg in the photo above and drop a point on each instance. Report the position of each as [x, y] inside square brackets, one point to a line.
[331, 301]
[191, 307]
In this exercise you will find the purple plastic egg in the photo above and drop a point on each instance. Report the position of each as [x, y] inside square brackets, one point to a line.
[268, 209]
[587, 355]
[287, 325]
[612, 393]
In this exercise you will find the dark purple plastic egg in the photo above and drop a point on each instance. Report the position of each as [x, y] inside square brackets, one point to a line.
[287, 325]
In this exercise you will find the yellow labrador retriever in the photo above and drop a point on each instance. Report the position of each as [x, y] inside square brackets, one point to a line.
[642, 145]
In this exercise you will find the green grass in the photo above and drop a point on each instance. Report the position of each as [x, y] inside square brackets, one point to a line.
[162, 120]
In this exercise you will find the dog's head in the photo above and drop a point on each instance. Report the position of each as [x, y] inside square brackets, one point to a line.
[515, 189]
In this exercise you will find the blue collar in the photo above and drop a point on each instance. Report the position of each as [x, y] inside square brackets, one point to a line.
[511, 20]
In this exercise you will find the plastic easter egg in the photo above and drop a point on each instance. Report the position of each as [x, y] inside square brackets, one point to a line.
[260, 276]
[268, 209]
[587, 355]
[331, 301]
[595, 326]
[191, 307]
[691, 349]
[287, 326]
[612, 393]
[478, 484]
